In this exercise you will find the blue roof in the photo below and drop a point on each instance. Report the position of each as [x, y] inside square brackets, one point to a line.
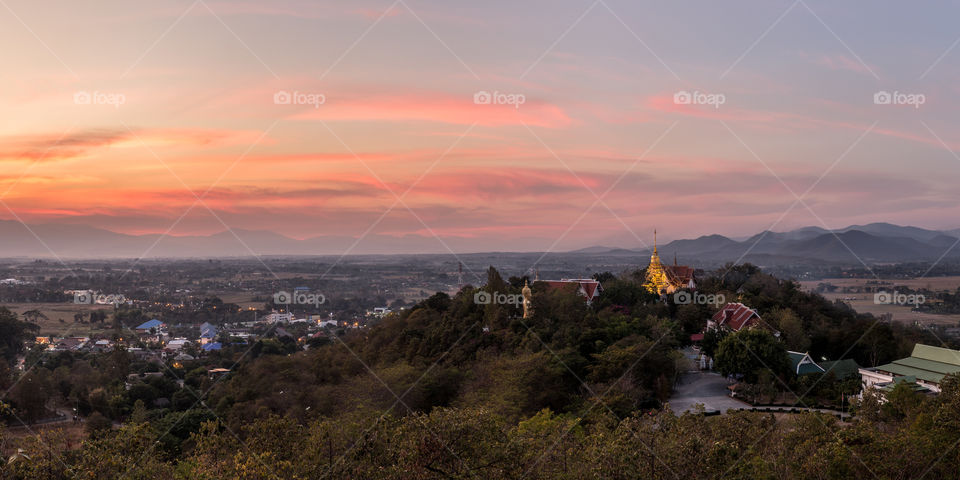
[208, 331]
[212, 346]
[150, 324]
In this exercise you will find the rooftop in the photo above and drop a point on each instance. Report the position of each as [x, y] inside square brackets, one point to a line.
[927, 363]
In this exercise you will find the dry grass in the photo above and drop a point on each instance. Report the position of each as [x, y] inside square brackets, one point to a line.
[62, 311]
[14, 437]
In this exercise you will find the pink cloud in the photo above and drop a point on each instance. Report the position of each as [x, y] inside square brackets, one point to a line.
[436, 107]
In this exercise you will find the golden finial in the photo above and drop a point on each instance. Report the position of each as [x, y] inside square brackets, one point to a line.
[654, 240]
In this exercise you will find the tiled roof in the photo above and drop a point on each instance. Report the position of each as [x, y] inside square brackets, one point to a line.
[589, 287]
[735, 316]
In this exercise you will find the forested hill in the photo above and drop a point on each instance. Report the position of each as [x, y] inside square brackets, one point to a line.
[453, 352]
[455, 388]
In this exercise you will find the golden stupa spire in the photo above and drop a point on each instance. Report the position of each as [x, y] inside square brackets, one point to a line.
[654, 241]
[527, 294]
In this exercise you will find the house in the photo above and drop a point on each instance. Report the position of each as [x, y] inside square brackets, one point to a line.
[176, 344]
[212, 346]
[145, 327]
[102, 345]
[736, 317]
[925, 367]
[279, 318]
[208, 333]
[587, 287]
[70, 344]
[802, 364]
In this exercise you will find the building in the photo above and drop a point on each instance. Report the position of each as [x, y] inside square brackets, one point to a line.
[736, 317]
[587, 287]
[208, 333]
[802, 364]
[154, 324]
[842, 369]
[279, 318]
[925, 367]
[665, 279]
[379, 312]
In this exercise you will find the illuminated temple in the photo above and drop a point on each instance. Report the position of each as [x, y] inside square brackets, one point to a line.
[665, 279]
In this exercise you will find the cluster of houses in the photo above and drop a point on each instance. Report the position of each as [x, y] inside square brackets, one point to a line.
[163, 346]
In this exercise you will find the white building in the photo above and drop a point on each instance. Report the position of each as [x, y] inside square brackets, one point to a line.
[279, 318]
[926, 367]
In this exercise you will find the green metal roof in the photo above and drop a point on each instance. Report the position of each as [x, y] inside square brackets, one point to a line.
[909, 380]
[927, 363]
[937, 354]
[841, 368]
[796, 359]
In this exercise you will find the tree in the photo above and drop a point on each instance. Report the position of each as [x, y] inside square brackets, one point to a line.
[791, 328]
[13, 334]
[749, 352]
[33, 315]
[711, 340]
[97, 423]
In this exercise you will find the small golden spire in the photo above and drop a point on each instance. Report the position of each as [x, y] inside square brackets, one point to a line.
[654, 240]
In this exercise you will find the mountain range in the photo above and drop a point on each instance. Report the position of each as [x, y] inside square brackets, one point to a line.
[872, 243]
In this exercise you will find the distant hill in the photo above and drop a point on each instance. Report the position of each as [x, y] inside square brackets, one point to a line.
[873, 243]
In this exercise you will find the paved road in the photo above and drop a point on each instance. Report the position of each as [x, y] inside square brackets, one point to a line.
[710, 389]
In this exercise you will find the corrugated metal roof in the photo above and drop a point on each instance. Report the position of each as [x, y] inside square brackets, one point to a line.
[936, 354]
[927, 363]
[841, 368]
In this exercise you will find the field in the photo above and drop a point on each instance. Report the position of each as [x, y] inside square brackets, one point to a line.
[65, 311]
[863, 302]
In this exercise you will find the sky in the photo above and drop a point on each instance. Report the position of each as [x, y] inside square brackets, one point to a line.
[537, 125]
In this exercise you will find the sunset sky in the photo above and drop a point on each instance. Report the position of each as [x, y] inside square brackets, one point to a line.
[160, 117]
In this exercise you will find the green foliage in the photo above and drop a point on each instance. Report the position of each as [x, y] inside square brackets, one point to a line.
[13, 334]
[750, 352]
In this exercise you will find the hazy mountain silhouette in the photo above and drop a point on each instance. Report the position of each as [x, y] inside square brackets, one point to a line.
[876, 242]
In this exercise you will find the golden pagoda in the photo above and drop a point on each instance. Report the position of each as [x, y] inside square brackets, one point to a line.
[527, 299]
[666, 279]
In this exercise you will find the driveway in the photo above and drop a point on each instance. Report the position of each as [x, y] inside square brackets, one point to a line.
[707, 388]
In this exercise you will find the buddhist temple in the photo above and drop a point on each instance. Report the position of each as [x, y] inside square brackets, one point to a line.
[666, 279]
